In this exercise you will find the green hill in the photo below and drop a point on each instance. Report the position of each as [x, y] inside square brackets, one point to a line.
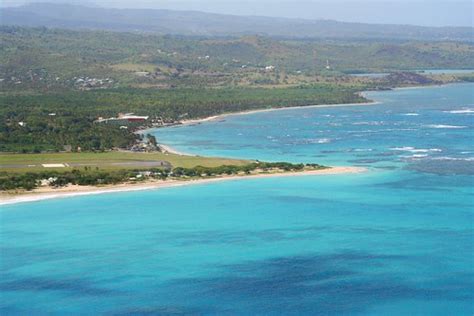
[207, 24]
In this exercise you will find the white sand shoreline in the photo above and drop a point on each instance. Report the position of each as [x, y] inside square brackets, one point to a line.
[73, 191]
[172, 150]
[221, 116]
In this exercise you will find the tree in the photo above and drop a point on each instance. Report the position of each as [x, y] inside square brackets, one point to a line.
[152, 140]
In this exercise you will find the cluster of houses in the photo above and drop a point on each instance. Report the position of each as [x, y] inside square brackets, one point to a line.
[86, 82]
[12, 79]
[144, 146]
[125, 120]
[270, 68]
[42, 75]
[29, 76]
[167, 53]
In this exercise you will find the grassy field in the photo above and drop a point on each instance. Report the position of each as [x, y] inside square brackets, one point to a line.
[134, 67]
[106, 160]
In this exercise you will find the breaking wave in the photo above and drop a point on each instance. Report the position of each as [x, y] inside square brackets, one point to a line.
[321, 141]
[462, 111]
[360, 149]
[371, 123]
[447, 158]
[445, 126]
[416, 156]
[416, 150]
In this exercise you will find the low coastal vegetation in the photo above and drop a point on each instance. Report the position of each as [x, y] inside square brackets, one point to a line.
[95, 176]
[200, 171]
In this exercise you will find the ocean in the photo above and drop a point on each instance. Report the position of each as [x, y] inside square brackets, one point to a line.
[397, 239]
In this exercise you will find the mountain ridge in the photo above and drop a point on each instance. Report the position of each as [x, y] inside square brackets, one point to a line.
[197, 23]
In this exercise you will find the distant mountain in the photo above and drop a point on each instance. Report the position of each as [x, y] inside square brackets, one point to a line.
[208, 24]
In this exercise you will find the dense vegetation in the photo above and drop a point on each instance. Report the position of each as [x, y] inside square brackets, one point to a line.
[40, 132]
[27, 123]
[90, 176]
[50, 59]
[55, 83]
[31, 180]
[200, 171]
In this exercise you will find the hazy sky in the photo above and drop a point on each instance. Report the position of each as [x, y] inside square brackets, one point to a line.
[419, 12]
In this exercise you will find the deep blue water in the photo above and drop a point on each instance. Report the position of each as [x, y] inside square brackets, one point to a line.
[395, 240]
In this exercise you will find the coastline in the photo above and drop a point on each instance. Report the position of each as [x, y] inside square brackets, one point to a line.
[190, 122]
[224, 115]
[47, 193]
[172, 150]
[362, 93]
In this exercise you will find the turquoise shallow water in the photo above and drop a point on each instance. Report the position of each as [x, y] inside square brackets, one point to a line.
[395, 240]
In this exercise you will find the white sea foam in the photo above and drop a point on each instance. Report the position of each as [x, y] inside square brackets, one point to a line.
[416, 156]
[321, 141]
[371, 123]
[369, 131]
[397, 129]
[402, 148]
[411, 114]
[462, 111]
[445, 126]
[313, 141]
[453, 158]
[416, 150]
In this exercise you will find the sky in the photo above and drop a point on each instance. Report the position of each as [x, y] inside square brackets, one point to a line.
[415, 12]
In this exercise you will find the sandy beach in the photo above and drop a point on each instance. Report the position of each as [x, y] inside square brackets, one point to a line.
[171, 150]
[221, 116]
[46, 193]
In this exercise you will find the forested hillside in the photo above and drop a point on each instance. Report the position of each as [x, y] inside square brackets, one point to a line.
[208, 24]
[44, 58]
